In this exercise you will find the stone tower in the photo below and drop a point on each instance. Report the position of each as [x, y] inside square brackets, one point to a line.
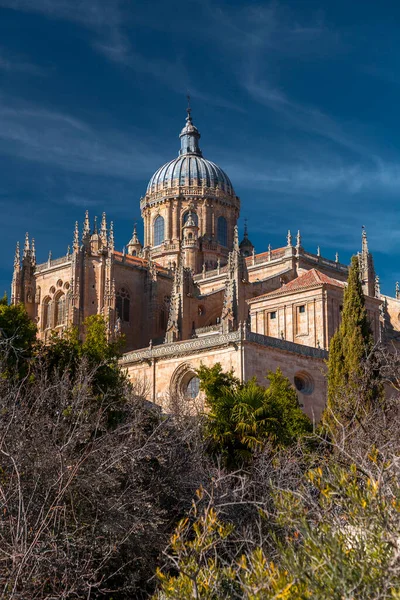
[189, 185]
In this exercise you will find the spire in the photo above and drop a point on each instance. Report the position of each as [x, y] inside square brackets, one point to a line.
[377, 287]
[75, 243]
[33, 252]
[236, 238]
[364, 241]
[289, 238]
[111, 237]
[17, 257]
[367, 270]
[298, 239]
[135, 239]
[190, 135]
[95, 226]
[103, 229]
[86, 226]
[26, 246]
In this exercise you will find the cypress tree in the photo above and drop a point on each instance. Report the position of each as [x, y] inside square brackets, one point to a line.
[352, 389]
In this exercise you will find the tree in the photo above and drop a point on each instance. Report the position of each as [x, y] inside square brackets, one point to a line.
[243, 417]
[66, 352]
[349, 348]
[17, 335]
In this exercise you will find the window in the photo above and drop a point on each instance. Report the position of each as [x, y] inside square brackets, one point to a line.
[123, 305]
[193, 388]
[303, 382]
[302, 308]
[272, 315]
[222, 231]
[46, 314]
[60, 310]
[158, 231]
[194, 217]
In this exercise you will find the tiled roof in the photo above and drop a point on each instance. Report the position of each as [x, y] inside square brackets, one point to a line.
[136, 260]
[310, 279]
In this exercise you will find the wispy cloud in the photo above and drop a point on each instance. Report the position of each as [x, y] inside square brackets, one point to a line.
[315, 177]
[104, 18]
[14, 64]
[61, 140]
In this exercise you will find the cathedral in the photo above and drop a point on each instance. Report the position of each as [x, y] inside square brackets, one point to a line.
[194, 294]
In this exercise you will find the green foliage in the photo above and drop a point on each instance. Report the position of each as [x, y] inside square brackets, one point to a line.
[242, 417]
[349, 348]
[18, 334]
[341, 532]
[66, 352]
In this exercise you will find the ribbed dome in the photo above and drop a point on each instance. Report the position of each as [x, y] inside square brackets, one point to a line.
[190, 168]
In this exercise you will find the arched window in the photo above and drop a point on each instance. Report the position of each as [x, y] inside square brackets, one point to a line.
[193, 388]
[194, 217]
[222, 231]
[158, 231]
[123, 305]
[60, 310]
[46, 324]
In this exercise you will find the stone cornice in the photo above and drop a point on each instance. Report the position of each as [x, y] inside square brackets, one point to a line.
[217, 341]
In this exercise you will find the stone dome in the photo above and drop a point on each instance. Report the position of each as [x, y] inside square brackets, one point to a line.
[190, 168]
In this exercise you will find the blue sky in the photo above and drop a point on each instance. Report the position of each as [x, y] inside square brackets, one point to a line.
[297, 101]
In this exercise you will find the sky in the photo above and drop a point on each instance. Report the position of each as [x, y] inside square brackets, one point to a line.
[297, 101]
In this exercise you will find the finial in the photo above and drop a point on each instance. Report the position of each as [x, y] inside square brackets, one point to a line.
[236, 238]
[337, 257]
[245, 234]
[33, 251]
[123, 252]
[26, 246]
[17, 256]
[377, 287]
[95, 225]
[289, 238]
[103, 228]
[68, 251]
[50, 255]
[86, 225]
[269, 251]
[298, 239]
[111, 237]
[364, 240]
[318, 251]
[75, 244]
[188, 110]
[397, 289]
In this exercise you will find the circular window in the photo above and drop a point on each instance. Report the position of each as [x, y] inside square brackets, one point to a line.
[66, 286]
[193, 388]
[59, 283]
[52, 289]
[303, 382]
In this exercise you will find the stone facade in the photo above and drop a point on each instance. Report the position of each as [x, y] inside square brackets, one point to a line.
[193, 294]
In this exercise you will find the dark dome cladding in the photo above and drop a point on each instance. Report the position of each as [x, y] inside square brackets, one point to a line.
[190, 168]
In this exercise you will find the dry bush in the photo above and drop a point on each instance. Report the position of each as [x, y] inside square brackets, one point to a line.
[87, 507]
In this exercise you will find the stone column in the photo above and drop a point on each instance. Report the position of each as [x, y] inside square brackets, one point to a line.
[168, 214]
[175, 220]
